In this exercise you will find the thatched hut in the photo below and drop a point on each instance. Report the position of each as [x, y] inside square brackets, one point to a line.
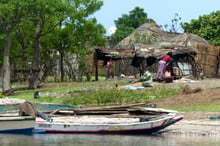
[192, 54]
[143, 48]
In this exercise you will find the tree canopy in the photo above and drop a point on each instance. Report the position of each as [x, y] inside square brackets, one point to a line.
[32, 30]
[128, 22]
[206, 26]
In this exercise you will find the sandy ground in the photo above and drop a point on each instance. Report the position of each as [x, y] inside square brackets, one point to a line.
[202, 127]
[194, 122]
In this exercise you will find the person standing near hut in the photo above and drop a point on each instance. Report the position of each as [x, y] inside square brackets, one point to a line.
[162, 65]
[108, 69]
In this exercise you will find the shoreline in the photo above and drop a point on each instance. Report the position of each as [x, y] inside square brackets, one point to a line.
[194, 127]
[197, 125]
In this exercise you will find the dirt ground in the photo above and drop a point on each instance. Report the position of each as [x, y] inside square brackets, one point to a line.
[194, 122]
[208, 92]
[198, 91]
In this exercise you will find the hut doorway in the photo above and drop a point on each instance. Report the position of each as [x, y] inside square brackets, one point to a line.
[186, 68]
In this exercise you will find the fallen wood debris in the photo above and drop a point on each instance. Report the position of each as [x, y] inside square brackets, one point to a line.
[125, 110]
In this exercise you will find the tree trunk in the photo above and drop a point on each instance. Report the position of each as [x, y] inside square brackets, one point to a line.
[6, 66]
[22, 42]
[61, 66]
[35, 77]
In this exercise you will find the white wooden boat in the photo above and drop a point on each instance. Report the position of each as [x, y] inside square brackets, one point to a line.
[12, 121]
[17, 124]
[105, 125]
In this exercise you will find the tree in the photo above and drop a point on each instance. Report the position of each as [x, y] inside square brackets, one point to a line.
[121, 32]
[175, 26]
[206, 26]
[127, 23]
[11, 13]
[44, 26]
[44, 17]
[78, 33]
[90, 34]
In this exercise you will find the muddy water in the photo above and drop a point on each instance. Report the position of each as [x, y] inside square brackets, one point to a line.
[106, 140]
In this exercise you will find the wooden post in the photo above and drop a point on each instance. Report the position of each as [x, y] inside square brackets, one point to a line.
[96, 66]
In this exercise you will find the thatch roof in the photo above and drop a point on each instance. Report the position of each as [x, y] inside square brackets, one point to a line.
[159, 43]
[160, 38]
[146, 51]
[113, 54]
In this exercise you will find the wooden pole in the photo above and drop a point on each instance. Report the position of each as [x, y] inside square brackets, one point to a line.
[96, 66]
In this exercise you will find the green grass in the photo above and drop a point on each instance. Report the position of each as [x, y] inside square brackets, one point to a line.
[120, 96]
[104, 93]
[56, 92]
[211, 107]
[94, 93]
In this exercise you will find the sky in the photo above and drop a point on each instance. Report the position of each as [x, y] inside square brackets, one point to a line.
[161, 11]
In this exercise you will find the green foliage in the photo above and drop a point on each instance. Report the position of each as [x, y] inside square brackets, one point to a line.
[114, 96]
[77, 34]
[212, 107]
[49, 26]
[1, 96]
[206, 26]
[105, 93]
[57, 92]
[127, 23]
[121, 32]
[135, 18]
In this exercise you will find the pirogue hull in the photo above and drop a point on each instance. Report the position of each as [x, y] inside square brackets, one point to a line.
[16, 125]
[104, 125]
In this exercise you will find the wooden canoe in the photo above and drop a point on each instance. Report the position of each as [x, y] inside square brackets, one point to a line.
[105, 125]
[17, 124]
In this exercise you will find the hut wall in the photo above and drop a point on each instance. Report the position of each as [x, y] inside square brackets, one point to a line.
[123, 66]
[208, 59]
[218, 61]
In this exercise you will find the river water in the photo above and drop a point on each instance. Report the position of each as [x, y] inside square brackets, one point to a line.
[106, 140]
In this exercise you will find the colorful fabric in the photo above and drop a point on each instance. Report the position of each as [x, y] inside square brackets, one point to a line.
[108, 70]
[161, 69]
[166, 58]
